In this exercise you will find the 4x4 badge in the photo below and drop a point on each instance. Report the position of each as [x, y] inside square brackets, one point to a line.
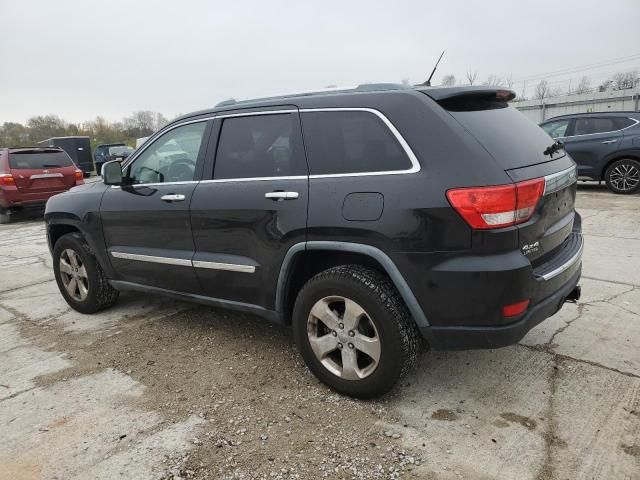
[530, 248]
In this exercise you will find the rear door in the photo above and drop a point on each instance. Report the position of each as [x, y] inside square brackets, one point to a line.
[591, 141]
[41, 171]
[253, 208]
[146, 222]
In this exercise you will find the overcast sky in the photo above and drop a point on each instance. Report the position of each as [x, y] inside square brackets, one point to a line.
[82, 58]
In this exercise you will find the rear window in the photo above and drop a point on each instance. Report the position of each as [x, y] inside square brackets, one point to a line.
[39, 160]
[511, 138]
[350, 142]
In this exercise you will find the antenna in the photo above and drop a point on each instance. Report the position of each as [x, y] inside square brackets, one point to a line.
[428, 82]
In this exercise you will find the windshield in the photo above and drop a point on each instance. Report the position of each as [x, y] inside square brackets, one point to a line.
[120, 150]
[38, 160]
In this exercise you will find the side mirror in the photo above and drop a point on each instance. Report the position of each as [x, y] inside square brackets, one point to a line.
[112, 173]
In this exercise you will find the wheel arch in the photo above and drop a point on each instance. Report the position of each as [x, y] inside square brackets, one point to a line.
[295, 271]
[621, 155]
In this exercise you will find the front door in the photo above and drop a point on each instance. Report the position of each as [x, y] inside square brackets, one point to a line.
[253, 209]
[146, 221]
[592, 141]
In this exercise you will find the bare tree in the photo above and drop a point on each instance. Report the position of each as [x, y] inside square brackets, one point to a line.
[584, 86]
[449, 80]
[493, 80]
[542, 90]
[624, 80]
[471, 76]
[508, 81]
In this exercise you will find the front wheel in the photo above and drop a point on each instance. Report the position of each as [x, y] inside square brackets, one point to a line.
[79, 276]
[354, 331]
[623, 176]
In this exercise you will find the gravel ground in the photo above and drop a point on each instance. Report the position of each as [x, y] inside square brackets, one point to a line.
[160, 389]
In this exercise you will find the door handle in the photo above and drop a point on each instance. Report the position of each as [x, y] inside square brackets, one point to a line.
[281, 195]
[172, 197]
[609, 141]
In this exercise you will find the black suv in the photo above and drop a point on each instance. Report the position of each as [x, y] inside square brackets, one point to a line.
[101, 154]
[372, 220]
[606, 146]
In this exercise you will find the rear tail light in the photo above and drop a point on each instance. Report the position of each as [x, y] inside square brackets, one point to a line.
[515, 309]
[497, 206]
[7, 179]
[79, 174]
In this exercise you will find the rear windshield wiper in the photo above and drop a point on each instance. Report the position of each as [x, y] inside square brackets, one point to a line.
[551, 149]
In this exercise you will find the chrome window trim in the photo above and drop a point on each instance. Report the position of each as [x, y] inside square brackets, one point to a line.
[231, 267]
[183, 262]
[568, 264]
[415, 164]
[559, 180]
[602, 133]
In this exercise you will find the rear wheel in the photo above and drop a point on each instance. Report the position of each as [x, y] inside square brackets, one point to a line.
[80, 278]
[623, 176]
[354, 332]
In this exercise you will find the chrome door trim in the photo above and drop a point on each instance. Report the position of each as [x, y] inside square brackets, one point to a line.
[254, 179]
[231, 267]
[46, 175]
[559, 180]
[182, 262]
[602, 133]
[415, 164]
[568, 264]
[260, 112]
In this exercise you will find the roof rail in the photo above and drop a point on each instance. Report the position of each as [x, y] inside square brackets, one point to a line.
[365, 87]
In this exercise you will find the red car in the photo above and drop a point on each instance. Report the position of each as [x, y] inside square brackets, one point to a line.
[30, 175]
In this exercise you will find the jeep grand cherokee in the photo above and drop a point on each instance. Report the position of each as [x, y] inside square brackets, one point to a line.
[372, 220]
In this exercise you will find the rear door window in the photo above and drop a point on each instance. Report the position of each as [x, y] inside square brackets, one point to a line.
[33, 160]
[339, 142]
[556, 129]
[623, 122]
[260, 146]
[591, 125]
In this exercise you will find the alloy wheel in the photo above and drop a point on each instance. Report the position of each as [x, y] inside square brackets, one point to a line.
[74, 275]
[625, 177]
[343, 338]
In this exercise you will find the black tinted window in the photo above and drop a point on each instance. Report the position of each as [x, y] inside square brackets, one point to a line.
[350, 142]
[623, 122]
[585, 126]
[260, 146]
[39, 160]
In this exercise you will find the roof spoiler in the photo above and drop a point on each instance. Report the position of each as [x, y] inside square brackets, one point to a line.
[444, 93]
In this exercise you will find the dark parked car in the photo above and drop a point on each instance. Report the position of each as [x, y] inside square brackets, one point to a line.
[30, 175]
[101, 154]
[370, 220]
[77, 147]
[606, 146]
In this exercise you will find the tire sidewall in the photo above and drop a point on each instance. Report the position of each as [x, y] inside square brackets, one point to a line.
[387, 371]
[70, 241]
[623, 161]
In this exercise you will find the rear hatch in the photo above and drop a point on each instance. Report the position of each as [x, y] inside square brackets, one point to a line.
[520, 148]
[42, 170]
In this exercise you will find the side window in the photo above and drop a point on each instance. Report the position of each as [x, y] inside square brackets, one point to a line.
[623, 122]
[260, 146]
[350, 142]
[556, 129]
[586, 126]
[170, 158]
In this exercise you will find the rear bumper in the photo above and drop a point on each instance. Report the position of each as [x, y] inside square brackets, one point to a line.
[12, 198]
[467, 338]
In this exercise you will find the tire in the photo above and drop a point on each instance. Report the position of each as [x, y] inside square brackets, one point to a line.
[623, 176]
[98, 294]
[384, 317]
